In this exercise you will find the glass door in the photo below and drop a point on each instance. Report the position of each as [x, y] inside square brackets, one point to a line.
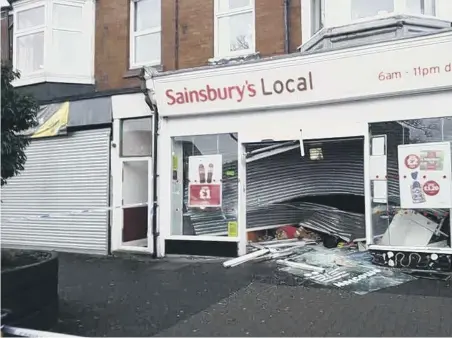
[136, 203]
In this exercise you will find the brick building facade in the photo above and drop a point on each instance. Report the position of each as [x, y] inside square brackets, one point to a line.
[187, 34]
[192, 45]
[187, 37]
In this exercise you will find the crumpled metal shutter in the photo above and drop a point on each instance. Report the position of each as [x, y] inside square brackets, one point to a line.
[62, 175]
[275, 180]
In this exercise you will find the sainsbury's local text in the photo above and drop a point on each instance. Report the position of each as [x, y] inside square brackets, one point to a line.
[238, 93]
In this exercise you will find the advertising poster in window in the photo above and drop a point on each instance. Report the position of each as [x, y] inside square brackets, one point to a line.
[205, 187]
[424, 175]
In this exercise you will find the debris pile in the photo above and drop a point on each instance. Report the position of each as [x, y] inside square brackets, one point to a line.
[344, 267]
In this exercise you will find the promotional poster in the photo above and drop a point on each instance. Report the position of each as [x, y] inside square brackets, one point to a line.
[424, 175]
[205, 174]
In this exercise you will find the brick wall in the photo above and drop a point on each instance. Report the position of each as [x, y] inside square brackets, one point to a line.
[270, 26]
[5, 43]
[196, 36]
[112, 45]
[196, 30]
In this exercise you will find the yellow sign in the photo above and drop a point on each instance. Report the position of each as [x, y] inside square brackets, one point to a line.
[55, 123]
[175, 162]
[233, 229]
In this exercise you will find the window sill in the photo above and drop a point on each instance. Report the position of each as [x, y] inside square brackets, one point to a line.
[131, 73]
[220, 60]
[135, 71]
[44, 77]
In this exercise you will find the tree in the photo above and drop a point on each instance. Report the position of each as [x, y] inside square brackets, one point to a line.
[19, 114]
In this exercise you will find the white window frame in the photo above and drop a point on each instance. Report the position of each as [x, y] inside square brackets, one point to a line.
[33, 30]
[218, 15]
[48, 73]
[133, 35]
[342, 14]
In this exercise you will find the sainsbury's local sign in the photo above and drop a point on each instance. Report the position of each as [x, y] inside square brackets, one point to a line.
[405, 66]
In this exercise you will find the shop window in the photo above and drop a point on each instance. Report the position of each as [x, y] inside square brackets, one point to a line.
[204, 185]
[333, 13]
[234, 28]
[136, 137]
[316, 154]
[411, 190]
[145, 33]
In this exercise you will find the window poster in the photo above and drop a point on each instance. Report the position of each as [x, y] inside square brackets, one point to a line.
[205, 175]
[424, 175]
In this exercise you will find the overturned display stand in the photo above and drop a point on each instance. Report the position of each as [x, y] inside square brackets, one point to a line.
[294, 137]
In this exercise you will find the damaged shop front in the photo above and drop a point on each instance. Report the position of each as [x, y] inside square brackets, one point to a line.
[345, 144]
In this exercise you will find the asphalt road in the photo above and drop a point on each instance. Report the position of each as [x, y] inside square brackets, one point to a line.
[138, 296]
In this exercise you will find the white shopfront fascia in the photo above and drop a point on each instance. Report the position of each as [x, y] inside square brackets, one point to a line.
[341, 93]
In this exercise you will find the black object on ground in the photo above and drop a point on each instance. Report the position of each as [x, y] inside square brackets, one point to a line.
[30, 288]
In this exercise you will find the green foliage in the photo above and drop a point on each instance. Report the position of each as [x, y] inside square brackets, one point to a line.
[18, 115]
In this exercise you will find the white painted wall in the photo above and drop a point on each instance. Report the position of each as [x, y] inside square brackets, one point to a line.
[126, 106]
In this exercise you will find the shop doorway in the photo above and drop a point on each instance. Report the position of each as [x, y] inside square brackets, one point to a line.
[318, 185]
[133, 229]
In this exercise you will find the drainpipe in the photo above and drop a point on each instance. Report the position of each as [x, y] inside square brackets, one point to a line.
[176, 34]
[286, 26]
[155, 124]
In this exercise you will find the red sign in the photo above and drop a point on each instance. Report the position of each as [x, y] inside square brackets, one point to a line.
[431, 188]
[412, 161]
[204, 195]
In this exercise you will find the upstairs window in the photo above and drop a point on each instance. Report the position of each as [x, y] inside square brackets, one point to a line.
[360, 9]
[146, 30]
[234, 28]
[53, 41]
[67, 36]
[319, 13]
[29, 40]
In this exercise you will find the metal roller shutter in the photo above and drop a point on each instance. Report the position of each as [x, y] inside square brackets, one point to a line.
[62, 175]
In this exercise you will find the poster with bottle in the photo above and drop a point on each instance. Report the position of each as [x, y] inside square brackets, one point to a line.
[205, 181]
[424, 175]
